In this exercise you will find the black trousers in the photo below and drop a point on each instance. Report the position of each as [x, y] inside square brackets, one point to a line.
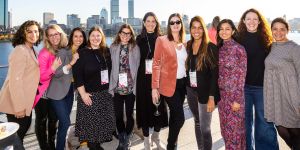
[23, 122]
[45, 115]
[119, 101]
[176, 120]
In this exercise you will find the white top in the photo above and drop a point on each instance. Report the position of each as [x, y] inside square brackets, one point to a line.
[181, 57]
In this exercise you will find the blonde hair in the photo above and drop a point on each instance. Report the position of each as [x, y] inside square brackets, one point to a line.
[63, 38]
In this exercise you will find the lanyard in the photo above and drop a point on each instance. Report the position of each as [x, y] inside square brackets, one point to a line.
[148, 46]
[100, 62]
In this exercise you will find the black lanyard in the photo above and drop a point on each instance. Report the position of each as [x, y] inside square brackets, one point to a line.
[149, 52]
[100, 61]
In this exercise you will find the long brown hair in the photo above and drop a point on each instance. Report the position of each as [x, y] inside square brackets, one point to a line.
[157, 28]
[203, 52]
[263, 29]
[181, 32]
[132, 39]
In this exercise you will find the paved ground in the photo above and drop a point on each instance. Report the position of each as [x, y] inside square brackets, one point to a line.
[186, 141]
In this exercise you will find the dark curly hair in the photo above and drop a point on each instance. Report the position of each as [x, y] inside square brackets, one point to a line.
[263, 29]
[20, 36]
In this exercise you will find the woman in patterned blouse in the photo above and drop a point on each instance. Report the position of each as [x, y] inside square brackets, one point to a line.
[232, 73]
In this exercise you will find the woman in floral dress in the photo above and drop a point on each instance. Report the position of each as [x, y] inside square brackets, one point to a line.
[232, 73]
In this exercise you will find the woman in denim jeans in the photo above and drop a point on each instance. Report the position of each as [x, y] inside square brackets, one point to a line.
[202, 80]
[255, 36]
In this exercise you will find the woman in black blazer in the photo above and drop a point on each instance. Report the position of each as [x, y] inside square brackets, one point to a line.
[202, 86]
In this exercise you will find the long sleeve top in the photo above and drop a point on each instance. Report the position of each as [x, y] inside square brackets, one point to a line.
[87, 70]
[232, 71]
[45, 59]
[207, 77]
[256, 54]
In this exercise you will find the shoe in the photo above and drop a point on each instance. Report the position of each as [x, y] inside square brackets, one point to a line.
[147, 143]
[156, 140]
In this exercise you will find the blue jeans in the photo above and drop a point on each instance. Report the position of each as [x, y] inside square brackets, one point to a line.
[63, 109]
[265, 136]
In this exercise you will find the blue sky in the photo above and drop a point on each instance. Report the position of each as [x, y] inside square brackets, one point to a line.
[23, 10]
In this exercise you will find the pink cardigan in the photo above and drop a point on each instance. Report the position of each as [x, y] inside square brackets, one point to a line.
[45, 61]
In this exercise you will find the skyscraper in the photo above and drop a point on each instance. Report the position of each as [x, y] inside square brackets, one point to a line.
[114, 9]
[3, 14]
[47, 17]
[130, 9]
[73, 21]
[104, 15]
[9, 20]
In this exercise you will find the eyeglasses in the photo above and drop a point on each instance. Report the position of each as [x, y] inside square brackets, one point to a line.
[175, 22]
[125, 33]
[54, 35]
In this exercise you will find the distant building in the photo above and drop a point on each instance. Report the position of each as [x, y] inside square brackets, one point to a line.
[104, 15]
[116, 20]
[47, 17]
[130, 9]
[92, 21]
[163, 24]
[294, 24]
[133, 21]
[52, 22]
[9, 20]
[3, 14]
[114, 10]
[73, 21]
[186, 22]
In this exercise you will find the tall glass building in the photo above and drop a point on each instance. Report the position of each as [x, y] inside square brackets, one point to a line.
[3, 14]
[114, 10]
[130, 9]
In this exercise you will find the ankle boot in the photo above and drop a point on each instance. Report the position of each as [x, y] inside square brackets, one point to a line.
[121, 137]
[146, 143]
[156, 140]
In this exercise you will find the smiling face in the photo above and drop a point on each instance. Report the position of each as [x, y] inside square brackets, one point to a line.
[225, 31]
[197, 30]
[150, 24]
[125, 35]
[279, 32]
[95, 39]
[54, 37]
[251, 21]
[32, 35]
[77, 38]
[175, 24]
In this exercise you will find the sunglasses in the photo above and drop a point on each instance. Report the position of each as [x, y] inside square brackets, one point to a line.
[175, 22]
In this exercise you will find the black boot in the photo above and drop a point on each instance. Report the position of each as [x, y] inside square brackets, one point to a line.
[121, 137]
[94, 146]
[126, 141]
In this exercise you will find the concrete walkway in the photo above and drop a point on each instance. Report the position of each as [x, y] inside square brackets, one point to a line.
[186, 141]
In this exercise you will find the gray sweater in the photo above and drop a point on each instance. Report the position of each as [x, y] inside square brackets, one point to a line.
[134, 61]
[282, 85]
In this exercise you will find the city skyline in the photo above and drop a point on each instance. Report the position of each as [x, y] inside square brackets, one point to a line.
[163, 8]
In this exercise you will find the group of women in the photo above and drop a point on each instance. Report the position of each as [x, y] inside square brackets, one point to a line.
[245, 67]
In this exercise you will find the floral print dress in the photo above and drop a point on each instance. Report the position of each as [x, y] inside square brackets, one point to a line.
[232, 74]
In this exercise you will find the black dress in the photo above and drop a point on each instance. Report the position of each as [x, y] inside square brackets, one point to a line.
[95, 123]
[144, 106]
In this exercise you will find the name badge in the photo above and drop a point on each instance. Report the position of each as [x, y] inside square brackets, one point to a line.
[123, 80]
[193, 79]
[148, 66]
[104, 77]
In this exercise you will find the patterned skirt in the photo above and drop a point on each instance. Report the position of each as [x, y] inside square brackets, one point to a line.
[95, 123]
